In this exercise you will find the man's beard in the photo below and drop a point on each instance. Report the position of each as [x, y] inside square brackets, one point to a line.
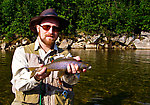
[48, 42]
[51, 40]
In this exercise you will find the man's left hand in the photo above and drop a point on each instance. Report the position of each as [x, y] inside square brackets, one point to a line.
[74, 68]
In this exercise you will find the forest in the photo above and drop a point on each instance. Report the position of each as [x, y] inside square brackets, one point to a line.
[110, 17]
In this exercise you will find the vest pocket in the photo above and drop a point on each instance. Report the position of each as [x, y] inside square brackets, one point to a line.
[61, 100]
[31, 98]
[26, 97]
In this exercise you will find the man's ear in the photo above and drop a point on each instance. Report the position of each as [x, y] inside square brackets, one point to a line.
[37, 28]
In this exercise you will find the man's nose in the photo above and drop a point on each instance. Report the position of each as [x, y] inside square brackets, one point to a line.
[50, 30]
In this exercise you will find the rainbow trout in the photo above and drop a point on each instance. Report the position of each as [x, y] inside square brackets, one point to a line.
[60, 65]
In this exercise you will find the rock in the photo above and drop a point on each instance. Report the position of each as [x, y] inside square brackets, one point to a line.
[123, 47]
[100, 47]
[81, 33]
[128, 40]
[91, 46]
[142, 44]
[120, 47]
[105, 39]
[64, 44]
[88, 42]
[87, 37]
[106, 46]
[78, 46]
[95, 38]
[17, 43]
[80, 39]
[131, 46]
[70, 42]
[122, 39]
[114, 47]
[25, 41]
[4, 45]
[116, 38]
[11, 47]
[102, 44]
[145, 33]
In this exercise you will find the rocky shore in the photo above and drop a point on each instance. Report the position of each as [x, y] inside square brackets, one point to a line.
[83, 41]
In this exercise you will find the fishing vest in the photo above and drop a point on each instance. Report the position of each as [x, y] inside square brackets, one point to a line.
[53, 89]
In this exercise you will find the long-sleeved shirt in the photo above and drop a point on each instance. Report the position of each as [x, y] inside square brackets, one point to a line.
[21, 75]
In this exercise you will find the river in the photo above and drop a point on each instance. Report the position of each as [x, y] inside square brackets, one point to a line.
[117, 77]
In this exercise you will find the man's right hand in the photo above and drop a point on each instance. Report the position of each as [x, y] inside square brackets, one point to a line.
[41, 74]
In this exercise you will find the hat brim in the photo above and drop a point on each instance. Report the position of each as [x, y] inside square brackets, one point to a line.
[37, 20]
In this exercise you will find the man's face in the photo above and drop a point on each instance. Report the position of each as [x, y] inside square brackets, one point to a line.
[48, 30]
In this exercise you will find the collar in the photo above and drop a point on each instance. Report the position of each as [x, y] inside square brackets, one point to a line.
[37, 46]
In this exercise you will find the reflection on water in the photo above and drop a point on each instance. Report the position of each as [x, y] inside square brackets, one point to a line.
[5, 76]
[117, 77]
[142, 56]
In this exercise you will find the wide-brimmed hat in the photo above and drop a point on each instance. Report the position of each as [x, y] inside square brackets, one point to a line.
[47, 13]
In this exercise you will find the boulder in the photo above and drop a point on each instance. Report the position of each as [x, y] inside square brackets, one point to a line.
[25, 41]
[106, 46]
[78, 46]
[105, 39]
[91, 46]
[81, 33]
[145, 33]
[64, 44]
[95, 38]
[128, 40]
[4, 45]
[142, 44]
[114, 39]
[70, 42]
[122, 39]
[80, 39]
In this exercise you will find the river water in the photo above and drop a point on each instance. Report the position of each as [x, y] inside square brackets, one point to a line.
[117, 77]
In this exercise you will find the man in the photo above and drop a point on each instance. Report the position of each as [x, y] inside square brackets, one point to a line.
[43, 88]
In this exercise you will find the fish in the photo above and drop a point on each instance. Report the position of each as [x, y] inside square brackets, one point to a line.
[60, 65]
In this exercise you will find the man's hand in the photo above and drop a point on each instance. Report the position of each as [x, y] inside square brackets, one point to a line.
[41, 74]
[74, 68]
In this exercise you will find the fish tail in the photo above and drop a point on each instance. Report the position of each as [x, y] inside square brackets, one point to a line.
[32, 68]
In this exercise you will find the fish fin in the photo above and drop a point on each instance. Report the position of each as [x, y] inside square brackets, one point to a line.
[61, 73]
[49, 70]
[32, 68]
[33, 73]
[58, 59]
[61, 58]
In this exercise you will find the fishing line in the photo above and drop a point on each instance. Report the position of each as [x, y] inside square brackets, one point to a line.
[119, 72]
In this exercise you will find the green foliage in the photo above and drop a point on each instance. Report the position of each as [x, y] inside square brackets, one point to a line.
[89, 16]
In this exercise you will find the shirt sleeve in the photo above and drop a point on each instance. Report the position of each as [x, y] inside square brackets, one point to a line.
[21, 80]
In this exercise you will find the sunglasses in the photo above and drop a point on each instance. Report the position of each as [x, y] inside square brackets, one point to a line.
[47, 27]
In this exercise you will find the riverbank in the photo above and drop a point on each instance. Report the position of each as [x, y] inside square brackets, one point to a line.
[82, 41]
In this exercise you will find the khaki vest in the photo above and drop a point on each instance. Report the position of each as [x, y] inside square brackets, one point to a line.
[55, 89]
